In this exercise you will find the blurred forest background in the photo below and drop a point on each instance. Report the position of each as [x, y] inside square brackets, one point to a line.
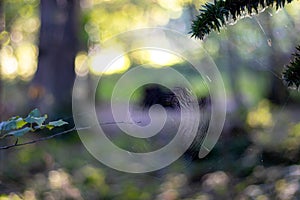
[45, 44]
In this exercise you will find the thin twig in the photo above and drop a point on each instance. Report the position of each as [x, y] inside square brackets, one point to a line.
[38, 140]
[57, 134]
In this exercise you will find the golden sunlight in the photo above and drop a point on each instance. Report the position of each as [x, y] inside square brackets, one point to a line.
[20, 62]
[109, 61]
[162, 58]
[9, 63]
[81, 65]
[27, 58]
[293, 8]
[174, 7]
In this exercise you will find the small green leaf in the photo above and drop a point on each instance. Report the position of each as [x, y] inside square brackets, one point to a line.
[20, 132]
[35, 117]
[34, 113]
[38, 120]
[13, 123]
[50, 127]
[39, 127]
[56, 124]
[8, 125]
[20, 123]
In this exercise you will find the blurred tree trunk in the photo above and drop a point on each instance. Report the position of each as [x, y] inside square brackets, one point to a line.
[2, 27]
[52, 85]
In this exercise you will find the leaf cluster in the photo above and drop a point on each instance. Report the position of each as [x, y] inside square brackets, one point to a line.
[18, 126]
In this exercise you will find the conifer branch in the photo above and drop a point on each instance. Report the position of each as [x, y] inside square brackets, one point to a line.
[291, 74]
[213, 16]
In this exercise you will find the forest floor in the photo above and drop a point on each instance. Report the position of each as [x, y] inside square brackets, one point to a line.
[243, 165]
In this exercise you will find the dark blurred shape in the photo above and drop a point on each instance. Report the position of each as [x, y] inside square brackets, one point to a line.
[52, 85]
[155, 94]
[174, 99]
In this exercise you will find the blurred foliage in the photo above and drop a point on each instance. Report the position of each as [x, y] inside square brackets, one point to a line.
[292, 141]
[102, 20]
[261, 116]
[18, 56]
[60, 171]
[99, 21]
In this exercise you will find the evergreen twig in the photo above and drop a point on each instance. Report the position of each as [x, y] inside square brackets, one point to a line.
[213, 16]
[291, 74]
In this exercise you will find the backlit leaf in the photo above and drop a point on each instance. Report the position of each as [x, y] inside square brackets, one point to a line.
[20, 132]
[38, 120]
[54, 124]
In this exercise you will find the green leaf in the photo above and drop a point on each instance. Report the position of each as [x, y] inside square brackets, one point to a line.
[58, 123]
[20, 132]
[34, 113]
[54, 124]
[38, 120]
[39, 127]
[13, 123]
[20, 123]
[50, 127]
[7, 125]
